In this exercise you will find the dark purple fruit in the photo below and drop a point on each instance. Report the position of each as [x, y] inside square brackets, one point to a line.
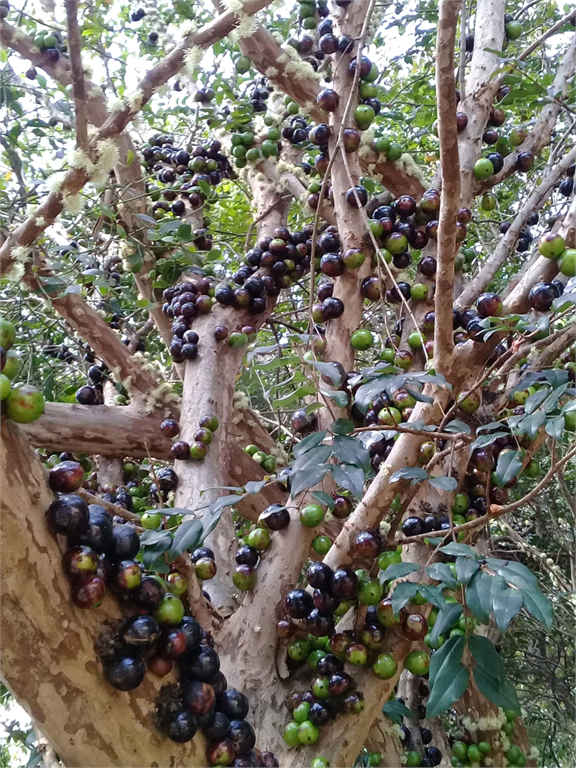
[126, 542]
[88, 594]
[198, 697]
[331, 264]
[233, 703]
[150, 593]
[246, 555]
[541, 296]
[141, 631]
[339, 684]
[98, 536]
[80, 562]
[329, 665]
[357, 197]
[219, 729]
[221, 753]
[180, 450]
[319, 576]
[173, 644]
[66, 477]
[206, 666]
[368, 544]
[489, 305]
[342, 507]
[182, 727]
[125, 674]
[68, 515]
[344, 583]
[299, 603]
[319, 714]
[332, 308]
[412, 526]
[86, 396]
[243, 736]
[320, 623]
[328, 100]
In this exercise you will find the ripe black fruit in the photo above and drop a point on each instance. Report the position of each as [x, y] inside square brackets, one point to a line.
[541, 296]
[233, 703]
[320, 623]
[199, 697]
[412, 526]
[344, 583]
[319, 576]
[205, 667]
[68, 515]
[141, 632]
[329, 665]
[246, 555]
[66, 477]
[182, 727]
[219, 729]
[126, 673]
[242, 736]
[98, 536]
[275, 517]
[126, 542]
[299, 603]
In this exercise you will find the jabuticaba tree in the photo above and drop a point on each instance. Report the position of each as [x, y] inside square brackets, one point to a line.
[301, 276]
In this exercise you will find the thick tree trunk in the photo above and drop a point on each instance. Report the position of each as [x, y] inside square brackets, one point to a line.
[48, 660]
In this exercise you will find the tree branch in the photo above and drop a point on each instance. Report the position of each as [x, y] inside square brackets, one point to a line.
[507, 242]
[78, 82]
[450, 170]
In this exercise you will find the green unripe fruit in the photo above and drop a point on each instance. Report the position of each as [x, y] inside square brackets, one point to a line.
[259, 539]
[460, 504]
[7, 334]
[509, 728]
[483, 168]
[5, 386]
[513, 754]
[321, 545]
[362, 339]
[312, 515]
[150, 521]
[413, 759]
[390, 557]
[385, 666]
[419, 292]
[415, 340]
[269, 148]
[488, 202]
[513, 30]
[417, 662]
[237, 340]
[381, 144]
[511, 715]
[485, 747]
[170, 610]
[473, 753]
[253, 155]
[394, 151]
[12, 364]
[459, 750]
[370, 592]
[308, 733]
[320, 762]
[242, 64]
[313, 659]
[290, 734]
[301, 712]
[298, 649]
[387, 355]
[566, 263]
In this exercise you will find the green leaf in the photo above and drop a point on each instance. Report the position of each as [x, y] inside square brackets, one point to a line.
[309, 442]
[187, 536]
[432, 594]
[448, 616]
[459, 549]
[555, 427]
[505, 605]
[508, 466]
[307, 478]
[350, 451]
[538, 605]
[397, 570]
[395, 710]
[487, 659]
[457, 426]
[402, 594]
[329, 370]
[513, 572]
[504, 696]
[442, 572]
[313, 457]
[478, 596]
[169, 511]
[447, 656]
[485, 440]
[447, 689]
[324, 498]
[342, 427]
[350, 477]
[340, 398]
[466, 567]
[444, 483]
[129, 158]
[254, 486]
[416, 474]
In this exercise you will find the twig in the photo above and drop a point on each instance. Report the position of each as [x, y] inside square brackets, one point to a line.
[496, 510]
[450, 174]
[552, 31]
[462, 63]
[115, 509]
[78, 82]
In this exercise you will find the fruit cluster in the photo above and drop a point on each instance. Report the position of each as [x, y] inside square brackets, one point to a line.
[185, 176]
[101, 555]
[21, 403]
[203, 436]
